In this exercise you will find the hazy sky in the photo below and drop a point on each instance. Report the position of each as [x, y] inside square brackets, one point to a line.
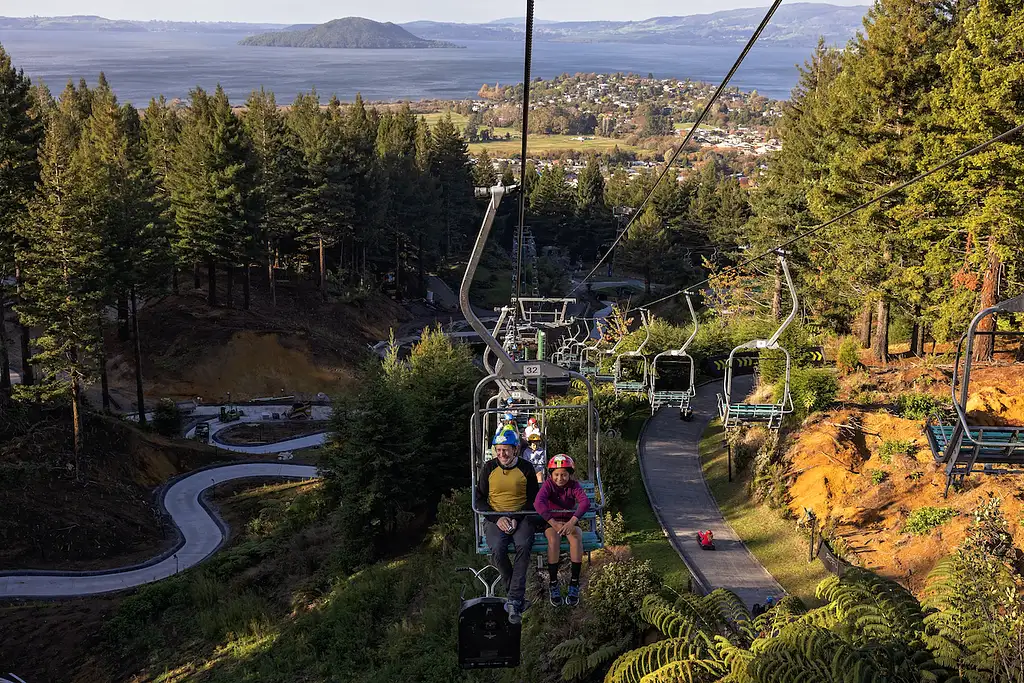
[317, 11]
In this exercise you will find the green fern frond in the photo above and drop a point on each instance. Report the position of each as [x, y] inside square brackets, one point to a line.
[686, 671]
[632, 666]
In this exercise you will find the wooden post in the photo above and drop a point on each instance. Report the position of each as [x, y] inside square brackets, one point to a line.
[728, 450]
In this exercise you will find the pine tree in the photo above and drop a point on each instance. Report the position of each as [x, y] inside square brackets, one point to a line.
[63, 270]
[276, 155]
[160, 129]
[367, 206]
[20, 137]
[483, 171]
[645, 246]
[985, 193]
[449, 164]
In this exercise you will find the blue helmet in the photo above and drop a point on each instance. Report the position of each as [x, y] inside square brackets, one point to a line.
[506, 437]
[509, 417]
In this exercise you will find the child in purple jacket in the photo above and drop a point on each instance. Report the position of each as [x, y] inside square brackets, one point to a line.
[561, 492]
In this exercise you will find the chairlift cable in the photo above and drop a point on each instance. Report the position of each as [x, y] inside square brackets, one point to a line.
[668, 166]
[523, 189]
[860, 207]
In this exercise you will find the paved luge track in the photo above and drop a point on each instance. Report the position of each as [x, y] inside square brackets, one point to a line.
[202, 534]
[670, 461]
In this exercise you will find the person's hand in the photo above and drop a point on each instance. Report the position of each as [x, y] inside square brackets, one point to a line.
[568, 527]
[556, 525]
[506, 524]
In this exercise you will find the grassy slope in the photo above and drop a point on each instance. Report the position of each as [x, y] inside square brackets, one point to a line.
[775, 541]
[551, 143]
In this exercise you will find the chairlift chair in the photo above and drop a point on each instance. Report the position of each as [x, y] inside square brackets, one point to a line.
[965, 443]
[505, 372]
[735, 414]
[630, 386]
[660, 396]
[487, 640]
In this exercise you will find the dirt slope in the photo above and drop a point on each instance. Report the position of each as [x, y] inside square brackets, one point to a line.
[833, 460]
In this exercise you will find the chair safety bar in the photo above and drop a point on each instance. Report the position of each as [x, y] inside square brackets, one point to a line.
[680, 353]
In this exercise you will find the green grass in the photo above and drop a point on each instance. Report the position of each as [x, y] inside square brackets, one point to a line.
[458, 119]
[551, 143]
[775, 541]
[644, 535]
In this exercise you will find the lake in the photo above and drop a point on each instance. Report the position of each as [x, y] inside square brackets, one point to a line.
[142, 65]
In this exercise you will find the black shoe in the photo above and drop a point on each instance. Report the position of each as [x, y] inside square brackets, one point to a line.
[573, 597]
[515, 614]
[556, 595]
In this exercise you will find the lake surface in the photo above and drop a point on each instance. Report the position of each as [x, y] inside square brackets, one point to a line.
[143, 65]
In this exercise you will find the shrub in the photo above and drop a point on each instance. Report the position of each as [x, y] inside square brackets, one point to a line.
[894, 448]
[616, 591]
[878, 476]
[453, 527]
[167, 418]
[813, 389]
[618, 459]
[924, 519]
[915, 406]
[848, 357]
[614, 528]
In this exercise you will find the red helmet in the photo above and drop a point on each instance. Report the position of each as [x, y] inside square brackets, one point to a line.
[532, 421]
[561, 461]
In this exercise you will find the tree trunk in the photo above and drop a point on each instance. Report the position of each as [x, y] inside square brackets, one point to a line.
[137, 348]
[211, 275]
[196, 283]
[865, 325]
[28, 375]
[5, 360]
[917, 333]
[174, 280]
[647, 280]
[270, 275]
[123, 333]
[247, 286]
[880, 345]
[104, 381]
[984, 344]
[323, 272]
[76, 412]
[777, 293]
[419, 258]
[230, 293]
[398, 267]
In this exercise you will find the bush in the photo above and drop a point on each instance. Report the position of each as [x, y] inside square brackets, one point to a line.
[878, 476]
[813, 389]
[924, 519]
[848, 356]
[453, 527]
[614, 528]
[616, 591]
[895, 447]
[167, 418]
[917, 406]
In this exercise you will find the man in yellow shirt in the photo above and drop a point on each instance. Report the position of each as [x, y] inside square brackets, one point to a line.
[507, 484]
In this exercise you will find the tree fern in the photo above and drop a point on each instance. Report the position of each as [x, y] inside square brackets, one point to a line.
[686, 671]
[674, 624]
[634, 665]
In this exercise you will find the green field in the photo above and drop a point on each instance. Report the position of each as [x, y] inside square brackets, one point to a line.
[550, 143]
[458, 119]
[775, 541]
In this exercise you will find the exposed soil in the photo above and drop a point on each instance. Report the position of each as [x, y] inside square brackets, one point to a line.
[301, 347]
[834, 457]
[258, 433]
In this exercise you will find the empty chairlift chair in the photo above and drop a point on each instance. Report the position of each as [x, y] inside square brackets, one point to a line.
[634, 361]
[675, 368]
[965, 443]
[735, 414]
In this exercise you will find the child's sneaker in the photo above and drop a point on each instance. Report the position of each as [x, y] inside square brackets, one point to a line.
[573, 597]
[556, 595]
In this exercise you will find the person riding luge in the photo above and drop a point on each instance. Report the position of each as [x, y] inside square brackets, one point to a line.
[507, 484]
[560, 494]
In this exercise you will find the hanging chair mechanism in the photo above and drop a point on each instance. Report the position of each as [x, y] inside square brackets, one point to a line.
[961, 446]
[735, 414]
[675, 368]
[635, 360]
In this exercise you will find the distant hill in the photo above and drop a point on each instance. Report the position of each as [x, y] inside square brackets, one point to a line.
[350, 32]
[795, 24]
[94, 23]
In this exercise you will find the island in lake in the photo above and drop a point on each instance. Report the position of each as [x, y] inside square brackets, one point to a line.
[350, 32]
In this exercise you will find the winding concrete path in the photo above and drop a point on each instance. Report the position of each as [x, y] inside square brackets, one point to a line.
[670, 463]
[201, 530]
